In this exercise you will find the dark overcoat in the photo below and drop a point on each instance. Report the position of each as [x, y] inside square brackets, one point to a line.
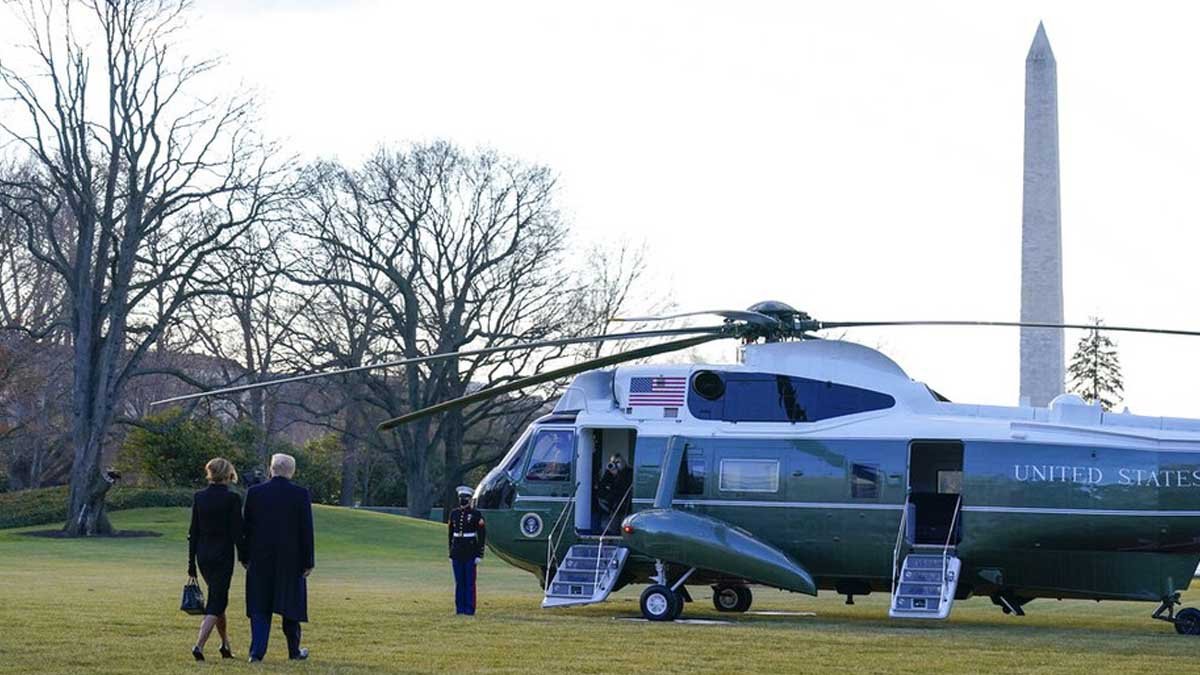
[278, 548]
[216, 527]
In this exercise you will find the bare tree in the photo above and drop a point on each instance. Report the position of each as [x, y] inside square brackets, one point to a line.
[33, 448]
[614, 280]
[31, 293]
[134, 163]
[461, 249]
[34, 410]
[249, 324]
[343, 327]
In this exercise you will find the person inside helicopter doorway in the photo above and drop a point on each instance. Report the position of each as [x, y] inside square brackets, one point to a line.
[467, 539]
[613, 493]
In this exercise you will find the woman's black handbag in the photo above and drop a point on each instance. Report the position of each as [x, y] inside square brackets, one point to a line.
[193, 597]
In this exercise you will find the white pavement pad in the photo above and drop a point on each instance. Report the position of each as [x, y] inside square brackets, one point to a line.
[695, 622]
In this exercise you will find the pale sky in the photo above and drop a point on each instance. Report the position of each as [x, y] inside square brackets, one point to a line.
[859, 160]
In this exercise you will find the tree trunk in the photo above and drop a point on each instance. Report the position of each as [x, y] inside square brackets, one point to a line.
[420, 496]
[88, 502]
[35, 466]
[86, 514]
[91, 411]
[416, 478]
[452, 442]
[258, 416]
[350, 444]
[366, 500]
[349, 473]
[449, 495]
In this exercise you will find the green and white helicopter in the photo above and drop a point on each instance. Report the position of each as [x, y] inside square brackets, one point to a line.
[820, 465]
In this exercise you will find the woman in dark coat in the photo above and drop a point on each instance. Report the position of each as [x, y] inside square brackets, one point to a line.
[215, 533]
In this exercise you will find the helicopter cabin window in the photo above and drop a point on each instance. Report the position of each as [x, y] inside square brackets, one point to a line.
[768, 397]
[692, 471]
[864, 481]
[949, 482]
[551, 455]
[749, 475]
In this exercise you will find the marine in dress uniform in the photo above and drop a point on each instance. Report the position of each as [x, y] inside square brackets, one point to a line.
[467, 539]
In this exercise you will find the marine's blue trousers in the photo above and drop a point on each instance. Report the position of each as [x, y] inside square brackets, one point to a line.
[464, 585]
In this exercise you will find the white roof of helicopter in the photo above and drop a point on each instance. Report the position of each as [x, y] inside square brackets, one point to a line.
[602, 399]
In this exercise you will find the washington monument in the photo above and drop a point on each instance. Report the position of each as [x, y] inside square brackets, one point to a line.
[1042, 373]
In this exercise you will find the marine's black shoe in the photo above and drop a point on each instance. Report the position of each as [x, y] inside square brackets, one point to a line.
[300, 655]
[197, 653]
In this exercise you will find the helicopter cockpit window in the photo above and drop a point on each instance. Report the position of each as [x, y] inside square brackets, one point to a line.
[551, 455]
[770, 397]
[512, 464]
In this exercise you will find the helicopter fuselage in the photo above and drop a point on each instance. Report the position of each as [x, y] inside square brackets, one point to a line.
[829, 453]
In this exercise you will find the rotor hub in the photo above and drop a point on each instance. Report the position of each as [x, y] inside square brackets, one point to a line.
[792, 322]
[783, 312]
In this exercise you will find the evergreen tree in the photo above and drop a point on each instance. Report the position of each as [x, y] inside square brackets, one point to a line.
[1095, 370]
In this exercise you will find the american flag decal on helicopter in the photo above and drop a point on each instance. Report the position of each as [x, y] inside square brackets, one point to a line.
[657, 391]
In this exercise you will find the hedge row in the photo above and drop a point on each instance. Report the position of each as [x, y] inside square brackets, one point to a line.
[49, 505]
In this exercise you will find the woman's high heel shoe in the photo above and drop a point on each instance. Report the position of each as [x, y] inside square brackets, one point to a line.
[226, 652]
[197, 654]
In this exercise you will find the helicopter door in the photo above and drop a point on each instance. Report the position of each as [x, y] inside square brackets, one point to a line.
[605, 486]
[935, 478]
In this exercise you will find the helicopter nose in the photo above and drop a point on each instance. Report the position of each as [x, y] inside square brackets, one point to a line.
[495, 492]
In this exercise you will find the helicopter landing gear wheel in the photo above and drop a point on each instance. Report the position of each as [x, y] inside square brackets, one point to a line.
[745, 597]
[660, 603]
[680, 601]
[725, 598]
[1187, 621]
[731, 598]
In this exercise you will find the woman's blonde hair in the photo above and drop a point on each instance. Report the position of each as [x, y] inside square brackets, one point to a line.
[220, 470]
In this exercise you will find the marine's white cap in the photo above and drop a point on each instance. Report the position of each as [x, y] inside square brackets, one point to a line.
[464, 490]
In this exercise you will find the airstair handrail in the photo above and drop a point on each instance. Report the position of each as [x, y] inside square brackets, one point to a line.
[899, 543]
[551, 543]
[949, 536]
[600, 548]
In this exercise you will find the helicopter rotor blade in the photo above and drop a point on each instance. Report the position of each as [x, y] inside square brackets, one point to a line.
[825, 325]
[549, 376]
[560, 342]
[748, 316]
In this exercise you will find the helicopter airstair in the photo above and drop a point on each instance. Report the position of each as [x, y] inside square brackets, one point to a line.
[924, 585]
[927, 584]
[587, 574]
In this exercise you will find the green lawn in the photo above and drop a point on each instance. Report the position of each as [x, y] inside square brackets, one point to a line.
[381, 600]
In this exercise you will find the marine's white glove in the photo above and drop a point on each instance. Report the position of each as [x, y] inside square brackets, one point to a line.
[478, 560]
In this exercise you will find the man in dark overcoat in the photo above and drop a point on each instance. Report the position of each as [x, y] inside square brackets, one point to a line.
[278, 555]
